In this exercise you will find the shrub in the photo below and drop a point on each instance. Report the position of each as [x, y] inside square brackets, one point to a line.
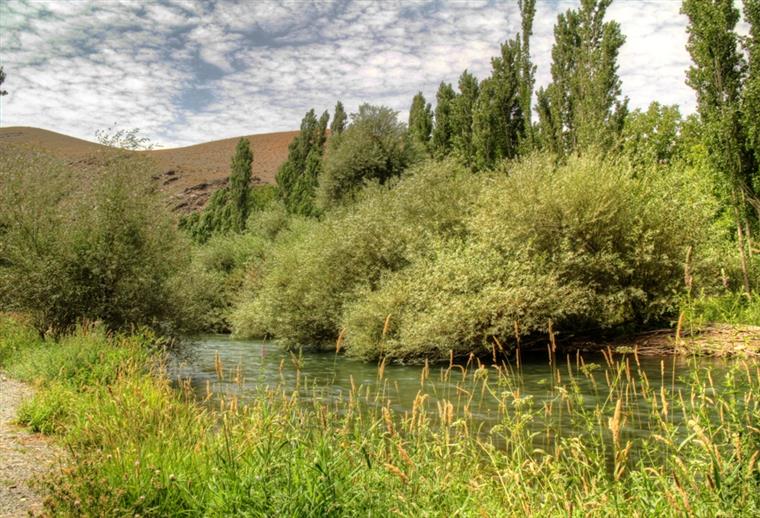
[95, 244]
[587, 246]
[315, 268]
[447, 260]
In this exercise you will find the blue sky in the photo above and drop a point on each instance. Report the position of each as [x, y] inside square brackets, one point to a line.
[191, 71]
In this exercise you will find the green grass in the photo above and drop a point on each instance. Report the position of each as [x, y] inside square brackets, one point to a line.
[732, 308]
[138, 446]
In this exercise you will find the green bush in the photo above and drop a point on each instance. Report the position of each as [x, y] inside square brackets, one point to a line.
[315, 268]
[448, 260]
[374, 148]
[97, 243]
[587, 246]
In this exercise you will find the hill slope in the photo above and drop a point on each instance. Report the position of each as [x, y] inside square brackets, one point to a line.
[187, 174]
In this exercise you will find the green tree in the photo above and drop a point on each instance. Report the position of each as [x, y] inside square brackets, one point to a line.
[373, 148]
[498, 123]
[501, 121]
[298, 175]
[339, 120]
[581, 107]
[228, 208]
[651, 137]
[95, 242]
[240, 184]
[716, 77]
[464, 105]
[751, 99]
[443, 131]
[527, 72]
[420, 121]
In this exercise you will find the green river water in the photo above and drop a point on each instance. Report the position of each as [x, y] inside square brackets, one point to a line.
[250, 366]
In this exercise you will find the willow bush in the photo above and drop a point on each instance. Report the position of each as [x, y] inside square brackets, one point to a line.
[447, 260]
[587, 246]
[299, 291]
[95, 242]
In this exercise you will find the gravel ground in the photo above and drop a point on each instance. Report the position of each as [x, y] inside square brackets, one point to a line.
[23, 455]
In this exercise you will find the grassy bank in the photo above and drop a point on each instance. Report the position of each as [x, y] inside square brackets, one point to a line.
[140, 447]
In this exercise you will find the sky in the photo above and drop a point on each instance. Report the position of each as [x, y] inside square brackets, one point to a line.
[187, 71]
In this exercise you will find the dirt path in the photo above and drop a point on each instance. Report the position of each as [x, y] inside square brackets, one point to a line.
[23, 455]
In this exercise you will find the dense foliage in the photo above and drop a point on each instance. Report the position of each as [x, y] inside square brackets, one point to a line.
[297, 176]
[228, 208]
[373, 148]
[588, 245]
[93, 244]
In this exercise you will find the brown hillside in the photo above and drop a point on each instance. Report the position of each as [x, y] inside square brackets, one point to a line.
[188, 174]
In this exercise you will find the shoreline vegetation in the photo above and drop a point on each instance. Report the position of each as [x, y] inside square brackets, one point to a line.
[138, 446]
[483, 227]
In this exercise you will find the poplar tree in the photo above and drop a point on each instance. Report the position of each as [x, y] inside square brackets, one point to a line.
[581, 107]
[751, 98]
[298, 175]
[502, 126]
[339, 120]
[443, 130]
[228, 208]
[716, 76]
[464, 105]
[420, 121]
[240, 184]
[527, 72]
[498, 122]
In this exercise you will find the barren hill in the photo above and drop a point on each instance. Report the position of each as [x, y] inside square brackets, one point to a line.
[188, 174]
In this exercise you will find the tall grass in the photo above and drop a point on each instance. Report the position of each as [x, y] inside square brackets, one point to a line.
[140, 447]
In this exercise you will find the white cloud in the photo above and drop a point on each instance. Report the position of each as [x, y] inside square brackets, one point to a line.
[187, 71]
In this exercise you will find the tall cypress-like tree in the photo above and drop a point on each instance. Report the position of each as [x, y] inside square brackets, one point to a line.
[228, 208]
[464, 105]
[339, 120]
[717, 76]
[751, 98]
[527, 73]
[297, 176]
[498, 123]
[501, 121]
[240, 184]
[581, 107]
[443, 130]
[420, 121]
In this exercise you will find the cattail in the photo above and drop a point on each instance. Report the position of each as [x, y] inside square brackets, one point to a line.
[679, 327]
[615, 422]
[381, 369]
[218, 366]
[551, 337]
[446, 412]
